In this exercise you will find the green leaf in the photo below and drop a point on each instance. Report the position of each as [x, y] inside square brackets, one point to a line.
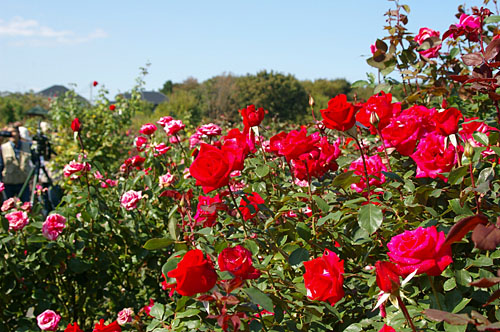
[5, 224]
[457, 175]
[187, 313]
[304, 231]
[258, 297]
[321, 203]
[382, 87]
[461, 305]
[170, 265]
[486, 175]
[454, 52]
[481, 138]
[359, 84]
[262, 171]
[157, 311]
[36, 238]
[393, 176]
[173, 228]
[492, 19]
[154, 244]
[298, 256]
[78, 266]
[344, 180]
[459, 209]
[449, 284]
[370, 218]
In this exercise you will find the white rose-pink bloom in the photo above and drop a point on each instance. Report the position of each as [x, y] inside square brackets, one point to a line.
[74, 167]
[48, 320]
[164, 120]
[53, 226]
[210, 129]
[130, 199]
[17, 220]
[174, 126]
[125, 316]
[166, 180]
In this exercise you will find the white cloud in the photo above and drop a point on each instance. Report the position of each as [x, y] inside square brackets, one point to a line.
[29, 32]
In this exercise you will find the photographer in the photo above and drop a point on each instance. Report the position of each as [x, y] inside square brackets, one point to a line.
[15, 166]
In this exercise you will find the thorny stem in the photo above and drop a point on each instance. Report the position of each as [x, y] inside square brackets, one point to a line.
[238, 209]
[405, 313]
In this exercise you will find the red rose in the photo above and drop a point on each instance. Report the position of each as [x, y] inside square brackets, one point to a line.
[112, 107]
[323, 278]
[75, 125]
[387, 276]
[340, 114]
[276, 143]
[447, 121]
[420, 249]
[194, 274]
[297, 143]
[238, 261]
[94, 83]
[147, 129]
[432, 158]
[140, 143]
[249, 205]
[387, 328]
[206, 212]
[403, 133]
[113, 327]
[73, 328]
[384, 109]
[211, 168]
[252, 117]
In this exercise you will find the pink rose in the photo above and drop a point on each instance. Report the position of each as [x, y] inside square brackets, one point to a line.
[130, 199]
[421, 249]
[173, 127]
[147, 129]
[48, 320]
[53, 226]
[194, 140]
[432, 158]
[74, 167]
[125, 316]
[210, 130]
[166, 180]
[17, 220]
[9, 204]
[423, 35]
[375, 166]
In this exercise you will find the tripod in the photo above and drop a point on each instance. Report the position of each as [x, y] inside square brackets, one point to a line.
[35, 174]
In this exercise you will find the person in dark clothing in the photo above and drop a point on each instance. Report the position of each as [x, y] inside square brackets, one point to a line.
[15, 165]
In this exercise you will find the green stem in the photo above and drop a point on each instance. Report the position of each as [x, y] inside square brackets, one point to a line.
[434, 291]
[238, 209]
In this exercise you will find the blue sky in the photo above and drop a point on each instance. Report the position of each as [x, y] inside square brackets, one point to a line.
[67, 42]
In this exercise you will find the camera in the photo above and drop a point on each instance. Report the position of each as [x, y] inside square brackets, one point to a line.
[5, 133]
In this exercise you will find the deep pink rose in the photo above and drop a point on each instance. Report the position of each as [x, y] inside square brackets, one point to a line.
[194, 274]
[238, 261]
[17, 220]
[140, 143]
[422, 36]
[130, 199]
[374, 166]
[387, 328]
[340, 114]
[195, 140]
[324, 278]
[432, 158]
[48, 320]
[9, 204]
[2, 187]
[166, 180]
[249, 205]
[53, 226]
[420, 249]
[148, 129]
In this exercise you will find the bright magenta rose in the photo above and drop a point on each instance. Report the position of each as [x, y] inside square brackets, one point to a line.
[238, 261]
[382, 106]
[130, 199]
[101, 327]
[212, 167]
[433, 158]
[194, 274]
[374, 166]
[423, 35]
[147, 129]
[387, 276]
[48, 320]
[252, 117]
[17, 220]
[340, 114]
[421, 249]
[447, 121]
[249, 205]
[387, 328]
[53, 226]
[324, 278]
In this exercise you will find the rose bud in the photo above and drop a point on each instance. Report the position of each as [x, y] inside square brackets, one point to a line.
[387, 276]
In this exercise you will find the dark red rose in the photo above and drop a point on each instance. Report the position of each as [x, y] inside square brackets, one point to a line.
[382, 106]
[94, 83]
[340, 114]
[75, 125]
[212, 167]
[194, 274]
[297, 143]
[387, 276]
[238, 261]
[252, 117]
[73, 328]
[101, 327]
